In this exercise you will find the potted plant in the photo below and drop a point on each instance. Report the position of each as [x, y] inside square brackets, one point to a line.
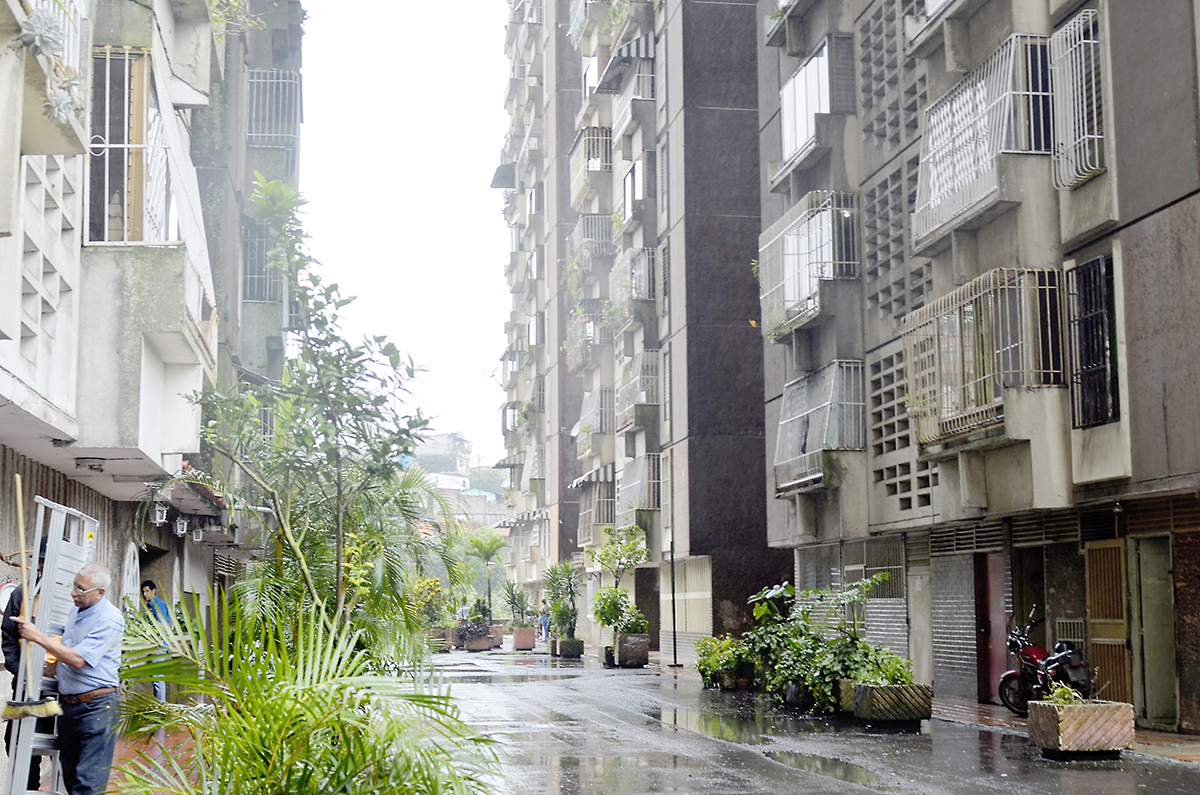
[724, 662]
[1067, 723]
[562, 588]
[524, 634]
[632, 640]
[476, 630]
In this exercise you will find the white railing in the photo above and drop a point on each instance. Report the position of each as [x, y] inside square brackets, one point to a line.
[530, 144]
[1002, 106]
[70, 16]
[597, 509]
[1078, 101]
[579, 18]
[273, 109]
[261, 283]
[590, 154]
[640, 487]
[802, 97]
[586, 331]
[632, 280]
[640, 86]
[824, 410]
[638, 386]
[1003, 329]
[130, 185]
[592, 239]
[816, 240]
[533, 12]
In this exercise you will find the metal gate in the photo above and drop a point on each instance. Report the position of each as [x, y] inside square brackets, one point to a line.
[1108, 619]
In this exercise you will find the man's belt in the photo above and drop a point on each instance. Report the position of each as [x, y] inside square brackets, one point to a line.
[83, 698]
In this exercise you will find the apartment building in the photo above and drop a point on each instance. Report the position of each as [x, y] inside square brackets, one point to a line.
[979, 217]
[644, 215]
[125, 285]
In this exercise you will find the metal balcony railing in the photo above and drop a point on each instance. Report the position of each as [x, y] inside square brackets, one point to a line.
[597, 509]
[596, 415]
[580, 17]
[1002, 106]
[534, 12]
[638, 386]
[591, 154]
[640, 488]
[273, 109]
[531, 145]
[631, 280]
[1003, 329]
[824, 410]
[591, 240]
[587, 331]
[639, 87]
[816, 240]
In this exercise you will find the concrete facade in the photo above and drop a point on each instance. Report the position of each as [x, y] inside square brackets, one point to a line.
[1028, 461]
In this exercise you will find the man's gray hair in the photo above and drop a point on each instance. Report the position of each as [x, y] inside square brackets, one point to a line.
[97, 574]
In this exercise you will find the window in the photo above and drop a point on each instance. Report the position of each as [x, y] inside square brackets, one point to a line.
[1091, 324]
[800, 99]
[634, 187]
[273, 112]
[824, 410]
[1078, 106]
[130, 197]
[260, 281]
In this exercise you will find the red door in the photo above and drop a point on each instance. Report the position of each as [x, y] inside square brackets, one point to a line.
[991, 623]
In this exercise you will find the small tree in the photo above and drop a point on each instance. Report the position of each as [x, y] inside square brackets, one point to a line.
[562, 588]
[486, 545]
[624, 550]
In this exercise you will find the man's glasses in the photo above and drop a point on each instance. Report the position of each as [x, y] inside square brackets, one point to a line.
[82, 591]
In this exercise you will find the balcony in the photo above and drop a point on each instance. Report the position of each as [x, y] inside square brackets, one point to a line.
[532, 470]
[591, 243]
[591, 156]
[640, 489]
[814, 243]
[635, 103]
[585, 16]
[823, 412]
[631, 285]
[1000, 331]
[593, 432]
[1002, 107]
[40, 134]
[587, 333]
[638, 391]
[597, 508]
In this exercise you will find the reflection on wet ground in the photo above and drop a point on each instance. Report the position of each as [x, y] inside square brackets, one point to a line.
[824, 766]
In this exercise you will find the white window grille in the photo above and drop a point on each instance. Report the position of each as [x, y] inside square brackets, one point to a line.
[1078, 104]
[632, 280]
[638, 386]
[260, 281]
[591, 239]
[596, 415]
[640, 85]
[130, 184]
[531, 144]
[597, 509]
[273, 108]
[1003, 329]
[824, 410]
[533, 11]
[531, 470]
[587, 331]
[816, 240]
[70, 16]
[1002, 106]
[666, 387]
[665, 489]
[590, 154]
[801, 98]
[640, 488]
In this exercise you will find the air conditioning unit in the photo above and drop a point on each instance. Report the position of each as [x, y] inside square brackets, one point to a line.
[533, 81]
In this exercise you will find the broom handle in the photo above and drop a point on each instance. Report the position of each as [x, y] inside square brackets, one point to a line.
[27, 652]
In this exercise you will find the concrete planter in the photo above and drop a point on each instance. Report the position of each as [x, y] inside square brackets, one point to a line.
[496, 633]
[1091, 726]
[893, 702]
[440, 640]
[524, 638]
[570, 648]
[845, 694]
[552, 645]
[481, 643]
[632, 651]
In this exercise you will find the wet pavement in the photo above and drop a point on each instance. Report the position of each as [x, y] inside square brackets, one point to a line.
[573, 728]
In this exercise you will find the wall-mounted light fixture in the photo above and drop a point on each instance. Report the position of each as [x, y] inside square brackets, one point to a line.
[181, 527]
[1118, 508]
[160, 513]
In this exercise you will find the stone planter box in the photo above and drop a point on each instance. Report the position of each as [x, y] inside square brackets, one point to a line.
[893, 702]
[632, 651]
[524, 638]
[845, 694]
[570, 648]
[496, 633]
[552, 645]
[1090, 726]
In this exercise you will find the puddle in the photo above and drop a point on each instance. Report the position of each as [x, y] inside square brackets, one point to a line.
[834, 768]
[507, 679]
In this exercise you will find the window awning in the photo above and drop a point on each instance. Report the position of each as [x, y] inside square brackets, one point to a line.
[505, 176]
[601, 474]
[523, 518]
[618, 64]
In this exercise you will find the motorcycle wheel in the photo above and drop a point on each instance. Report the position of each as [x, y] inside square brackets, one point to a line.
[1012, 694]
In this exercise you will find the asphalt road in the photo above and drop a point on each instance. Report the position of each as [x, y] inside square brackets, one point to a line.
[573, 728]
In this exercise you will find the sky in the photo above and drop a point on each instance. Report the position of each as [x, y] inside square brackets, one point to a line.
[403, 126]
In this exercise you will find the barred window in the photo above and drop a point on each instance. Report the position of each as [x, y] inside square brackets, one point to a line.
[1092, 329]
[1078, 105]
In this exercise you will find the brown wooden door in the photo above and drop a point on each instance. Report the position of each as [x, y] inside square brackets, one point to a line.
[1108, 619]
[990, 624]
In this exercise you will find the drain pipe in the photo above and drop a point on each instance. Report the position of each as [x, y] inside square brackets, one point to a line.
[674, 628]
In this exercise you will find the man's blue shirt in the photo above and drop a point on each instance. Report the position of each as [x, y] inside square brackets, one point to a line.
[95, 633]
[161, 612]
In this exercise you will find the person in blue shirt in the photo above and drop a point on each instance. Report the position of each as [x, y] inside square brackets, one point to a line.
[89, 662]
[162, 614]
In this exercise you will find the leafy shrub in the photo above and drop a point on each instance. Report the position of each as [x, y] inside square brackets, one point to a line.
[431, 601]
[721, 657]
[609, 605]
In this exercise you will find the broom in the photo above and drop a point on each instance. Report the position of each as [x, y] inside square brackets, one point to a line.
[33, 708]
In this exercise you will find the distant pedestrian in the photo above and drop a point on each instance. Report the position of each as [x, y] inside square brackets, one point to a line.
[162, 614]
[544, 618]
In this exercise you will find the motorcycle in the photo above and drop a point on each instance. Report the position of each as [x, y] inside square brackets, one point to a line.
[1037, 669]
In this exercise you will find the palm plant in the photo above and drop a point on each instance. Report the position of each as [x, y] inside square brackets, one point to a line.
[562, 588]
[486, 546]
[288, 706]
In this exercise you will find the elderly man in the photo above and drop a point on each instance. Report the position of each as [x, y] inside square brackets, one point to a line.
[89, 658]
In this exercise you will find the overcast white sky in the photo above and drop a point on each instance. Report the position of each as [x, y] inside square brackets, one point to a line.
[403, 125]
